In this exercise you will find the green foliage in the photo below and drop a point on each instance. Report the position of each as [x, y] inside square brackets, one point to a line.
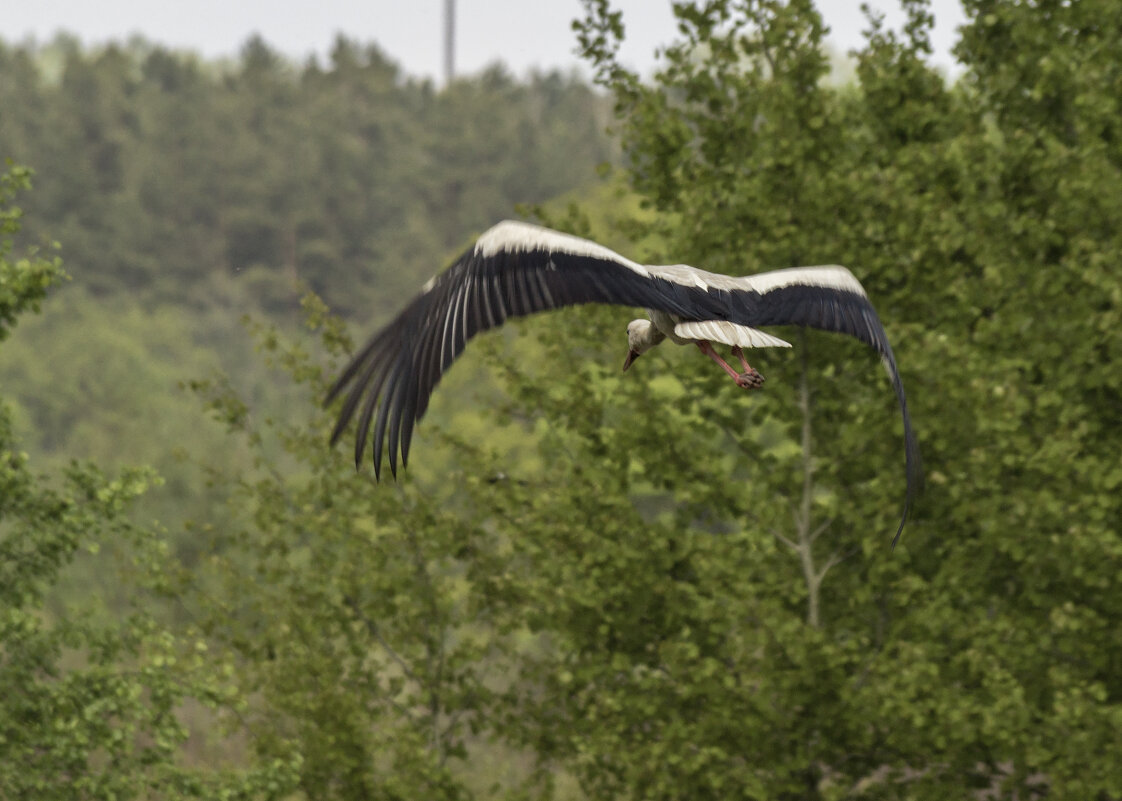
[602, 585]
[190, 193]
[88, 709]
[24, 281]
[166, 171]
[100, 377]
[352, 611]
[726, 617]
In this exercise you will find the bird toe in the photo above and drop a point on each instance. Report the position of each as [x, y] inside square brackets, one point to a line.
[750, 380]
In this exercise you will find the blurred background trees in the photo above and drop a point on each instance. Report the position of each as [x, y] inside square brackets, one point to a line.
[589, 584]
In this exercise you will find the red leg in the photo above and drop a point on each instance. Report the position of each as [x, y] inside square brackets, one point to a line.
[707, 349]
[738, 353]
[749, 379]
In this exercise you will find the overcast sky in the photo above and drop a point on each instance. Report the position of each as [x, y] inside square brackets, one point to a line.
[521, 33]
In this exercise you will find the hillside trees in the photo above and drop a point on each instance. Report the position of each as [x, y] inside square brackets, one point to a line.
[656, 586]
[699, 580]
[88, 701]
[189, 193]
[264, 167]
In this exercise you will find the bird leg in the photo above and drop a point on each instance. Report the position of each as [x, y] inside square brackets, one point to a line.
[749, 379]
[751, 375]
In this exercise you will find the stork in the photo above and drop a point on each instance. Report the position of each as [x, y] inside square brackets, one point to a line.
[515, 269]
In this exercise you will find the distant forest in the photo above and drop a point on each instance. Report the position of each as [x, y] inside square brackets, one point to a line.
[187, 194]
[157, 170]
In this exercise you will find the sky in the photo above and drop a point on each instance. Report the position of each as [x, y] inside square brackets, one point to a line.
[523, 34]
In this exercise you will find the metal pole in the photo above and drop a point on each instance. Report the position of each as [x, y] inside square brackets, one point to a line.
[449, 40]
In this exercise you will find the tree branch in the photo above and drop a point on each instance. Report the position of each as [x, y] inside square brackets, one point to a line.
[434, 642]
[821, 528]
[793, 546]
[372, 628]
[802, 517]
[835, 557]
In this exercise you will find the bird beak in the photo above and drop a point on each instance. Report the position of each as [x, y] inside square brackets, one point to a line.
[632, 355]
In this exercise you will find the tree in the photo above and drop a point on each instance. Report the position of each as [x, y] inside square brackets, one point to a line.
[689, 591]
[25, 280]
[88, 706]
[649, 584]
[350, 610]
[711, 573]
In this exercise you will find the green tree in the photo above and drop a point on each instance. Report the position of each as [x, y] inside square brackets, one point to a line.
[190, 192]
[353, 611]
[651, 583]
[167, 171]
[88, 706]
[688, 591]
[25, 280]
[712, 573]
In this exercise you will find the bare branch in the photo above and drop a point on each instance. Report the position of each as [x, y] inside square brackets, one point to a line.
[372, 628]
[821, 528]
[784, 540]
[833, 560]
[802, 515]
[835, 557]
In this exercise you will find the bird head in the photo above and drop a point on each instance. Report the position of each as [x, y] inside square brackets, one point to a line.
[641, 337]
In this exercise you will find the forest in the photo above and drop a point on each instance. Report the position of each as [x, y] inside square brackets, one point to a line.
[587, 584]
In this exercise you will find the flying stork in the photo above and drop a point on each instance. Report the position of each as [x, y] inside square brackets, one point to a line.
[515, 269]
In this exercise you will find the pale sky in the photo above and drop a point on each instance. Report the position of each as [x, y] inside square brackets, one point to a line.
[523, 34]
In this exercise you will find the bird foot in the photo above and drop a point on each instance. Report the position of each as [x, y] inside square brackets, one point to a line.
[750, 380]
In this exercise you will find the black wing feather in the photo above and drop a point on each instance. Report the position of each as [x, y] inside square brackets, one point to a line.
[397, 371]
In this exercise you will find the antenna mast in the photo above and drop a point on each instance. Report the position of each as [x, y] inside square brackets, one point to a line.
[449, 40]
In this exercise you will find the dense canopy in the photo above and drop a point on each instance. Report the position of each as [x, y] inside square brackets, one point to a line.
[635, 585]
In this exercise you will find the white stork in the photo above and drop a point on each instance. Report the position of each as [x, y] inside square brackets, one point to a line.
[516, 269]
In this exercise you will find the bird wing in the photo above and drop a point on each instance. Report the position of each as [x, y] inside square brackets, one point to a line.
[728, 333]
[515, 269]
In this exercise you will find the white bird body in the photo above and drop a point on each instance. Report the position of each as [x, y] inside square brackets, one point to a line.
[515, 269]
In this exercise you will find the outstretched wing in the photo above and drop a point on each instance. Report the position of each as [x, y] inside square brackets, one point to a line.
[514, 269]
